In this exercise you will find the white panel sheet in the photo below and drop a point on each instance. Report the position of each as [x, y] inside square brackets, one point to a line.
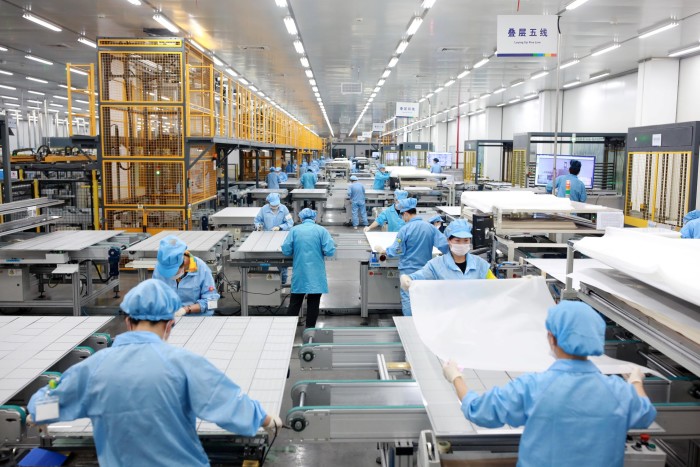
[496, 325]
[385, 239]
[653, 257]
[524, 200]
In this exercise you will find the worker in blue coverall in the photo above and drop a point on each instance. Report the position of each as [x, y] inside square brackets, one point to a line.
[437, 221]
[458, 265]
[435, 167]
[577, 190]
[281, 176]
[144, 396]
[380, 178]
[390, 215]
[414, 245]
[187, 275]
[290, 168]
[308, 180]
[356, 195]
[308, 243]
[691, 225]
[573, 415]
[322, 162]
[275, 216]
[273, 181]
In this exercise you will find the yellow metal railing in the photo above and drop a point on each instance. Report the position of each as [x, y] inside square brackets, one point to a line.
[84, 94]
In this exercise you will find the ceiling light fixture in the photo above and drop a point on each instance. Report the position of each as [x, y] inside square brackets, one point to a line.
[539, 74]
[502, 104]
[374, 94]
[78, 72]
[166, 23]
[281, 3]
[36, 93]
[377, 89]
[55, 105]
[197, 46]
[421, 100]
[304, 62]
[599, 75]
[88, 42]
[463, 74]
[657, 28]
[42, 81]
[38, 59]
[312, 82]
[291, 25]
[314, 89]
[684, 50]
[217, 60]
[135, 2]
[299, 47]
[309, 74]
[532, 95]
[60, 98]
[41, 22]
[485, 95]
[605, 49]
[513, 101]
[381, 82]
[393, 62]
[10, 98]
[254, 89]
[11, 88]
[231, 72]
[402, 47]
[415, 24]
[575, 4]
[449, 83]
[429, 95]
[473, 100]
[438, 90]
[427, 4]
[517, 83]
[481, 62]
[10, 104]
[386, 74]
[569, 63]
[572, 83]
[499, 90]
[8, 73]
[3, 49]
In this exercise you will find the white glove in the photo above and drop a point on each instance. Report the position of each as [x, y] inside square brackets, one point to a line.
[367, 229]
[180, 312]
[274, 427]
[380, 249]
[450, 371]
[636, 376]
[258, 227]
[406, 282]
[275, 228]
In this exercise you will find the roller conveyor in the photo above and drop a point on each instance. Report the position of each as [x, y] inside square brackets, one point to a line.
[351, 335]
[348, 356]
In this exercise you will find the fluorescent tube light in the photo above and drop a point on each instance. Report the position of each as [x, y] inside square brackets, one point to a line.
[684, 50]
[254, 89]
[37, 80]
[599, 75]
[78, 72]
[88, 42]
[41, 22]
[304, 62]
[429, 95]
[10, 104]
[463, 74]
[539, 74]
[281, 3]
[502, 104]
[572, 83]
[298, 46]
[415, 24]
[421, 100]
[314, 89]
[393, 62]
[485, 95]
[3, 49]
[499, 90]
[605, 49]
[575, 4]
[427, 4]
[517, 83]
[481, 62]
[402, 47]
[166, 23]
[309, 74]
[473, 100]
[569, 63]
[38, 59]
[377, 89]
[290, 25]
[10, 98]
[60, 98]
[312, 82]
[8, 73]
[217, 60]
[513, 101]
[243, 81]
[135, 2]
[532, 95]
[231, 72]
[449, 83]
[386, 74]
[197, 46]
[381, 82]
[657, 28]
[36, 93]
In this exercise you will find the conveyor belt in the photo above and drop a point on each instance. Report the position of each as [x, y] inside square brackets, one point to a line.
[68, 240]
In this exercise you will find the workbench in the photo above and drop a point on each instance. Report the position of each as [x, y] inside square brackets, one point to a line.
[308, 197]
[240, 217]
[259, 196]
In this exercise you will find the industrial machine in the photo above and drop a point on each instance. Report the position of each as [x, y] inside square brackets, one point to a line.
[414, 154]
[308, 197]
[498, 154]
[338, 168]
[258, 196]
[390, 155]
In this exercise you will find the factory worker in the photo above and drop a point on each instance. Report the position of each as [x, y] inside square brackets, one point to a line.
[691, 225]
[274, 216]
[309, 179]
[273, 181]
[281, 176]
[391, 215]
[380, 178]
[414, 245]
[577, 190]
[437, 222]
[356, 195]
[573, 414]
[458, 265]
[187, 275]
[290, 168]
[308, 243]
[322, 162]
[435, 167]
[144, 396]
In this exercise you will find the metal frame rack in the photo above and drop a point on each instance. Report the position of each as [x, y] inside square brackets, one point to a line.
[474, 156]
[390, 149]
[406, 157]
[662, 174]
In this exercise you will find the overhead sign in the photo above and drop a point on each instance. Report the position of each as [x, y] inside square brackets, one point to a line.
[379, 127]
[526, 36]
[366, 134]
[407, 109]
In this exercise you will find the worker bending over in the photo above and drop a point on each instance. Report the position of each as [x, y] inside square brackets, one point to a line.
[281, 176]
[274, 216]
[691, 225]
[458, 265]
[187, 275]
[414, 244]
[308, 244]
[380, 177]
[308, 180]
[356, 195]
[144, 396]
[437, 222]
[577, 190]
[573, 415]
[390, 215]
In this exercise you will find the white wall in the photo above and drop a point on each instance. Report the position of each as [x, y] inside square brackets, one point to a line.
[521, 118]
[608, 106]
[688, 90]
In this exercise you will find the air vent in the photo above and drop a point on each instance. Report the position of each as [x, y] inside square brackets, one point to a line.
[253, 48]
[351, 88]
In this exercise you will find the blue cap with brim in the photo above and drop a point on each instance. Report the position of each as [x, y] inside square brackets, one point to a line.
[579, 330]
[151, 300]
[171, 254]
[435, 219]
[459, 228]
[273, 199]
[408, 203]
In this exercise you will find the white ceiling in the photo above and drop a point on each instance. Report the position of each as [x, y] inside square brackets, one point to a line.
[347, 41]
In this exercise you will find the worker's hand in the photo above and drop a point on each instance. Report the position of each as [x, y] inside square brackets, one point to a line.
[258, 227]
[366, 229]
[450, 371]
[380, 249]
[406, 282]
[636, 376]
[181, 312]
[274, 426]
[275, 228]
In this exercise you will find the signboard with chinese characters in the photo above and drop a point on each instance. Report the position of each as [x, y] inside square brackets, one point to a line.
[379, 127]
[407, 109]
[526, 36]
[366, 134]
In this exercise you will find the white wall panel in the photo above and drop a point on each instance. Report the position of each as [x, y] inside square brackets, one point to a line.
[689, 90]
[521, 118]
[608, 106]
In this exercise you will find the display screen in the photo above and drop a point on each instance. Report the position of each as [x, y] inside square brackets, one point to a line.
[445, 158]
[545, 162]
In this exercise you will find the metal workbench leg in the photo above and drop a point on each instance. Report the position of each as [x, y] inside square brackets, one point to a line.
[75, 277]
[88, 278]
[143, 272]
[244, 290]
[364, 293]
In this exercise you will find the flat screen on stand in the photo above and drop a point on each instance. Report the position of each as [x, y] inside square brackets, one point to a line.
[544, 171]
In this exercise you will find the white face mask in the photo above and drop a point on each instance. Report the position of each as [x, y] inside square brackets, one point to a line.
[460, 249]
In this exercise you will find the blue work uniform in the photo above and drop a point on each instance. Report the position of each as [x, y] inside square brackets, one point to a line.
[322, 163]
[356, 193]
[197, 286]
[578, 189]
[290, 168]
[414, 244]
[282, 176]
[143, 398]
[392, 218]
[573, 415]
[444, 268]
[380, 180]
[281, 219]
[308, 181]
[691, 225]
[308, 243]
[273, 181]
[436, 168]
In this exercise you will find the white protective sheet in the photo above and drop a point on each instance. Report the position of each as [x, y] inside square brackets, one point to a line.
[385, 240]
[526, 201]
[655, 257]
[496, 325]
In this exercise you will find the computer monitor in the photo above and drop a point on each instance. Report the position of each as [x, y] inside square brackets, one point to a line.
[544, 169]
